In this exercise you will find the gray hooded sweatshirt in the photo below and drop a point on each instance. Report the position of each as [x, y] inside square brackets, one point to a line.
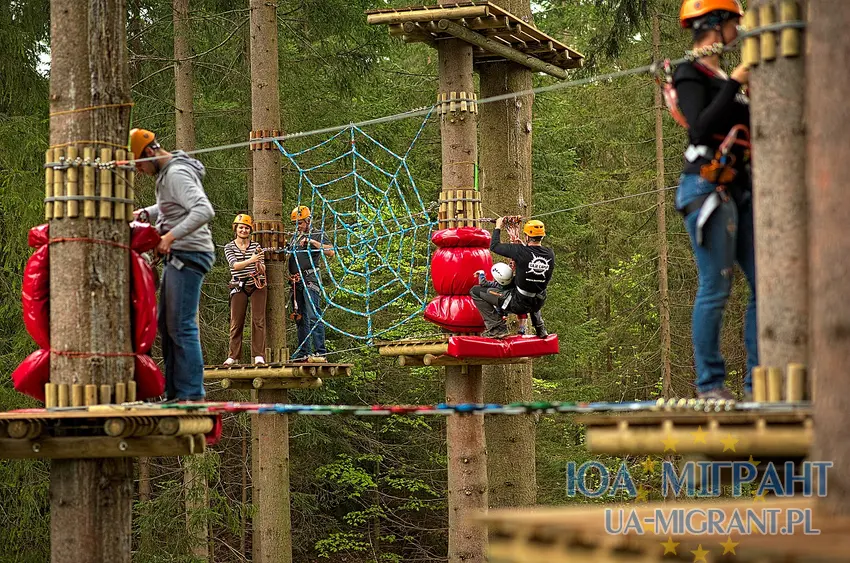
[181, 206]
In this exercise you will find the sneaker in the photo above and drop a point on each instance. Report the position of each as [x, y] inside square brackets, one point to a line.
[259, 360]
[540, 331]
[229, 362]
[521, 331]
[497, 332]
[719, 393]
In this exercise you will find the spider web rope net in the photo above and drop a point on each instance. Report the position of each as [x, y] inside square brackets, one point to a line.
[365, 203]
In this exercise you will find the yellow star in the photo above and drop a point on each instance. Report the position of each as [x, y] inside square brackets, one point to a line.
[729, 442]
[642, 494]
[729, 546]
[670, 546]
[759, 498]
[699, 554]
[669, 443]
[648, 465]
[699, 436]
[754, 462]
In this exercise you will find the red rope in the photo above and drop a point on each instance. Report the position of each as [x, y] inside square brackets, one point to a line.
[72, 354]
[90, 240]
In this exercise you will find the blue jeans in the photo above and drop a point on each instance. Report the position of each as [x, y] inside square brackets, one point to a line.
[311, 331]
[179, 298]
[727, 238]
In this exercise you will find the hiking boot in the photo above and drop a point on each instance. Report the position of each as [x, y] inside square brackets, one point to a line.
[537, 323]
[497, 332]
[540, 331]
[721, 393]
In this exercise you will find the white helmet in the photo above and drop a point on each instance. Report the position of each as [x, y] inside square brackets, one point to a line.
[502, 273]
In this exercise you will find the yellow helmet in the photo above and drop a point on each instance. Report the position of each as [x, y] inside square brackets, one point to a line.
[243, 219]
[534, 228]
[140, 139]
[300, 213]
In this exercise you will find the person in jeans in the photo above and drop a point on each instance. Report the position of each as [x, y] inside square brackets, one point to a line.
[181, 215]
[718, 214]
[305, 256]
[247, 283]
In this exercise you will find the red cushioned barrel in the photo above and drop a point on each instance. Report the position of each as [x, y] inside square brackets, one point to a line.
[472, 237]
[35, 297]
[454, 312]
[144, 304]
[453, 269]
[143, 237]
[38, 236]
[34, 372]
[213, 437]
[149, 380]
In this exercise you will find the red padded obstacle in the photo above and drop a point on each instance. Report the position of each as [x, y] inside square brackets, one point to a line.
[31, 375]
[38, 236]
[511, 347]
[456, 313]
[143, 298]
[35, 296]
[149, 380]
[143, 237]
[471, 237]
[453, 269]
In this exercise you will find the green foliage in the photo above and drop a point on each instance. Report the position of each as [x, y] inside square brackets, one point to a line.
[373, 489]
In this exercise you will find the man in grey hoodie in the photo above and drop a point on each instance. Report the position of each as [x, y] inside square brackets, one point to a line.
[181, 214]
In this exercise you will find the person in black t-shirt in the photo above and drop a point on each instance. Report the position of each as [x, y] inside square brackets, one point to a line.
[717, 212]
[304, 259]
[534, 266]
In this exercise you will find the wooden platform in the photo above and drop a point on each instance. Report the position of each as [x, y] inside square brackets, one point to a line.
[432, 352]
[488, 27]
[578, 535]
[103, 431]
[302, 375]
[729, 435]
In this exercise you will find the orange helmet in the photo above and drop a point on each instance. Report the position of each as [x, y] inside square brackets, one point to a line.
[692, 9]
[300, 213]
[140, 139]
[243, 219]
[534, 228]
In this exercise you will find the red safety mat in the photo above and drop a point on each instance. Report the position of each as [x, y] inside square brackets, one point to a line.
[511, 347]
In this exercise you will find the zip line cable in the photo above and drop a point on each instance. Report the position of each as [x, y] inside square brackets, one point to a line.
[421, 112]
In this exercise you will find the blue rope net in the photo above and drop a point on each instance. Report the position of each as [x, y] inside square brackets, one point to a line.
[365, 203]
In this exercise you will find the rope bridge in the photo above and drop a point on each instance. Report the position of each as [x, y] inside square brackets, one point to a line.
[365, 203]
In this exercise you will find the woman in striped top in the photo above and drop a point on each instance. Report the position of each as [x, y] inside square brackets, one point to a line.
[247, 283]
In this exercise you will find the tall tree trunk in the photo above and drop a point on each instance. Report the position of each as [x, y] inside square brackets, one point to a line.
[467, 463]
[780, 206]
[195, 487]
[272, 524]
[90, 500]
[183, 74]
[827, 120]
[505, 159]
[661, 215]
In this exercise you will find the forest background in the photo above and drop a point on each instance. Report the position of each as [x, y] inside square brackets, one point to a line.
[374, 490]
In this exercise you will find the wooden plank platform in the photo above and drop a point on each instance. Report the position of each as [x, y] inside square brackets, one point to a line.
[730, 435]
[102, 431]
[421, 24]
[301, 375]
[432, 352]
[578, 535]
